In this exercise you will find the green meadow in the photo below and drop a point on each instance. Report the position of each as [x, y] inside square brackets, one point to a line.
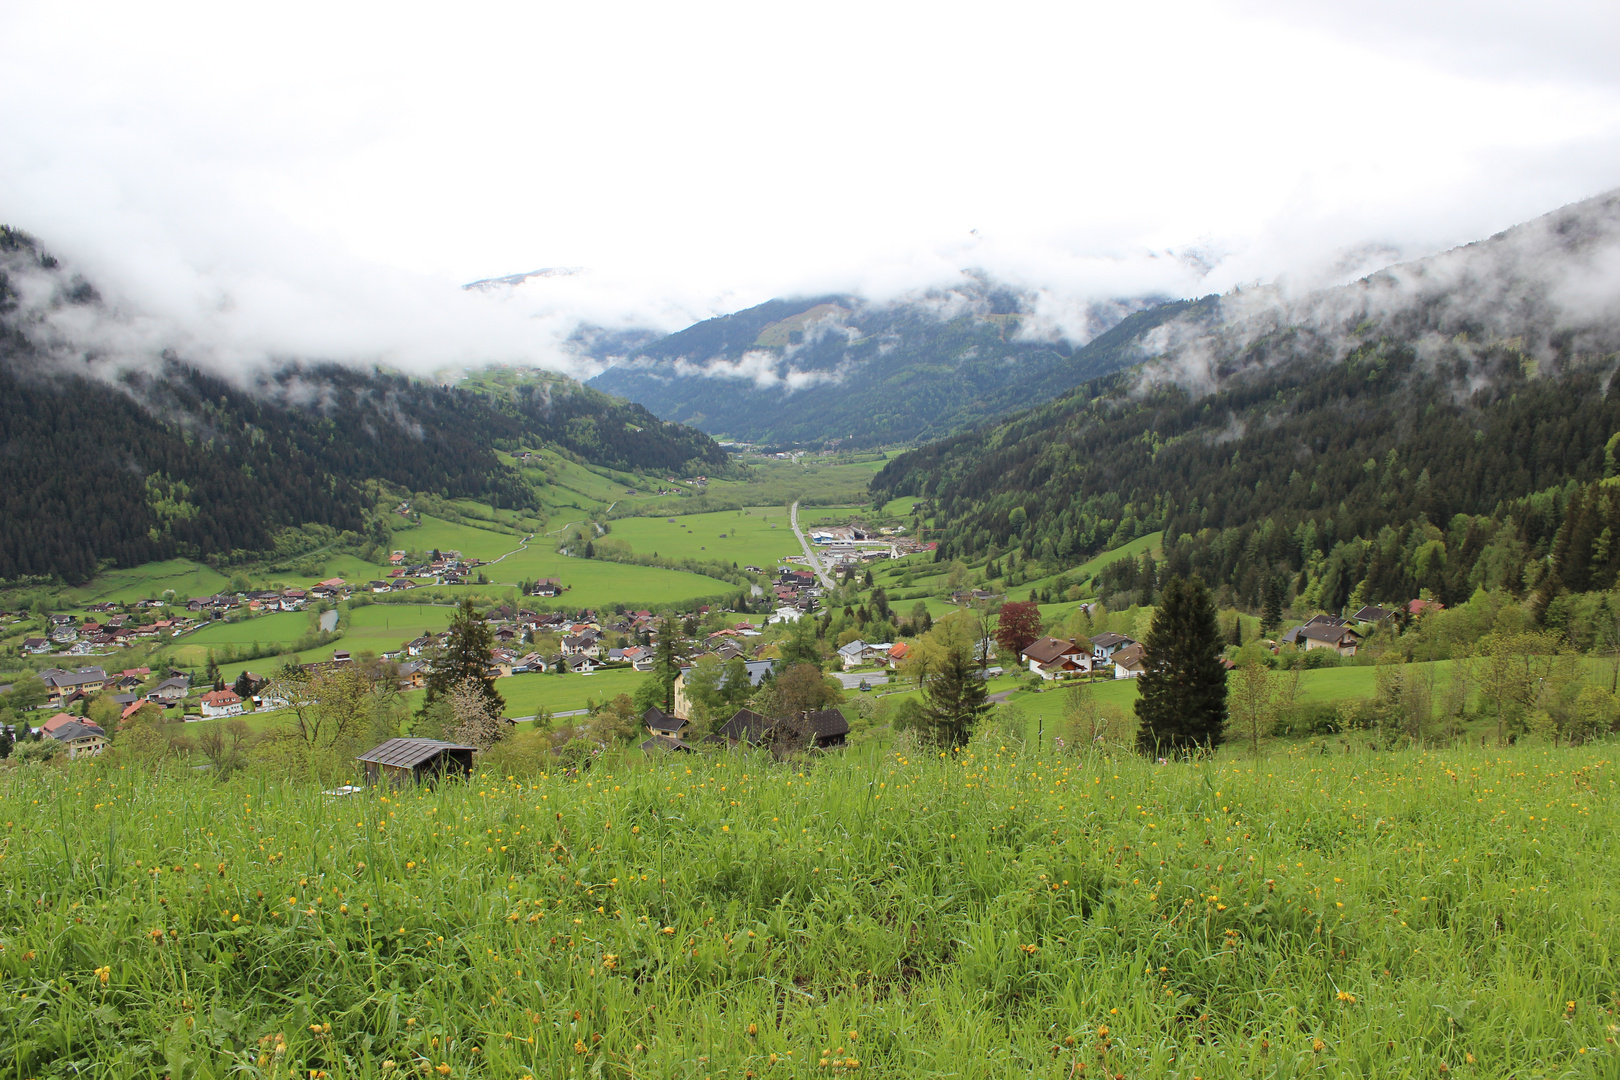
[757, 536]
[590, 583]
[981, 914]
[374, 628]
[526, 695]
[148, 581]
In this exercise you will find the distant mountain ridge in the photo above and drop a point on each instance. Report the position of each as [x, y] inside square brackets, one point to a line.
[115, 461]
[837, 369]
[1429, 426]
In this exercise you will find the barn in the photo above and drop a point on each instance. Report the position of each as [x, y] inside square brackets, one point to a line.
[414, 761]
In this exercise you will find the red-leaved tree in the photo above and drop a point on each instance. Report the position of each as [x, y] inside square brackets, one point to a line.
[1020, 625]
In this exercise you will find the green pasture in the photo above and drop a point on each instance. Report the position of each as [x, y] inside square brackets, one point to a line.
[149, 580]
[374, 628]
[757, 536]
[899, 507]
[473, 543]
[278, 626]
[589, 583]
[526, 695]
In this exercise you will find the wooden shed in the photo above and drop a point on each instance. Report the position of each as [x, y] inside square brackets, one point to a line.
[413, 761]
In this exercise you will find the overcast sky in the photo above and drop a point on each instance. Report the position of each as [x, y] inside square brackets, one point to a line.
[318, 179]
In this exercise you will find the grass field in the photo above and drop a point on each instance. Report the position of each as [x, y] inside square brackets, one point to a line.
[590, 583]
[185, 577]
[900, 507]
[375, 628]
[1398, 915]
[526, 695]
[759, 536]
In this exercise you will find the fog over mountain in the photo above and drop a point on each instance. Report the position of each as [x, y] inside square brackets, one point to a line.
[262, 192]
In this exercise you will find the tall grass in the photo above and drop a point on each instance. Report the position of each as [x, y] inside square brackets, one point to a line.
[987, 914]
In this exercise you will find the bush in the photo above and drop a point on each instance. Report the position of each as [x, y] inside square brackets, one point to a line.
[29, 751]
[1320, 658]
[1309, 718]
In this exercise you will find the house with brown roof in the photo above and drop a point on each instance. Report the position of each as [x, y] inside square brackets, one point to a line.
[1051, 657]
[1341, 639]
[1128, 662]
[816, 729]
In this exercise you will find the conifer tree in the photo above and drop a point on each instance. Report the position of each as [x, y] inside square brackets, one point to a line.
[1271, 613]
[954, 700]
[466, 655]
[667, 656]
[1183, 683]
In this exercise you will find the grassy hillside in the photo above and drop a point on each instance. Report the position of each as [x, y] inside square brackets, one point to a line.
[1411, 915]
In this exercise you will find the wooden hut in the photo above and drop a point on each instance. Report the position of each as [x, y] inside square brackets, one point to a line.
[413, 761]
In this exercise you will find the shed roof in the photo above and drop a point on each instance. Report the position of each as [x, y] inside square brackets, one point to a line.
[409, 753]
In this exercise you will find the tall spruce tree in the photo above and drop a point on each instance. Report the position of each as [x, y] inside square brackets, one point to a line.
[668, 653]
[1271, 611]
[466, 655]
[1183, 683]
[954, 700]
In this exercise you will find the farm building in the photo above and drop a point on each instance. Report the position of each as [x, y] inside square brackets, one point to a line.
[403, 761]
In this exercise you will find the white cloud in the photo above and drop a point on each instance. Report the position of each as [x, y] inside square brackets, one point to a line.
[311, 180]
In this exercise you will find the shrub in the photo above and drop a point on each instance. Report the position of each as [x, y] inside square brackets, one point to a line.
[1307, 718]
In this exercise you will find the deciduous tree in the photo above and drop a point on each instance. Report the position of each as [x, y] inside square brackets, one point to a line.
[1018, 626]
[1252, 701]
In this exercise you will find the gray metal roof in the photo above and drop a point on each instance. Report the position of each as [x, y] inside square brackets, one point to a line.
[409, 753]
[75, 730]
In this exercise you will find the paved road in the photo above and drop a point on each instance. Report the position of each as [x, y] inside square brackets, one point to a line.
[815, 563]
[523, 545]
[852, 680]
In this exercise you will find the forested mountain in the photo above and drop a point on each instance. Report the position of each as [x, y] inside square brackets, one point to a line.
[820, 369]
[121, 460]
[1442, 425]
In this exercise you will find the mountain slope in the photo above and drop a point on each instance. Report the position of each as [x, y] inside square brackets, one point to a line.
[838, 369]
[1330, 438]
[118, 460]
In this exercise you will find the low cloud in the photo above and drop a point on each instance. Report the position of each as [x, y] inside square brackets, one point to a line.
[1549, 289]
[762, 368]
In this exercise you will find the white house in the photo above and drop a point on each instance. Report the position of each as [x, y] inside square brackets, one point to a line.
[1104, 646]
[221, 703]
[853, 654]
